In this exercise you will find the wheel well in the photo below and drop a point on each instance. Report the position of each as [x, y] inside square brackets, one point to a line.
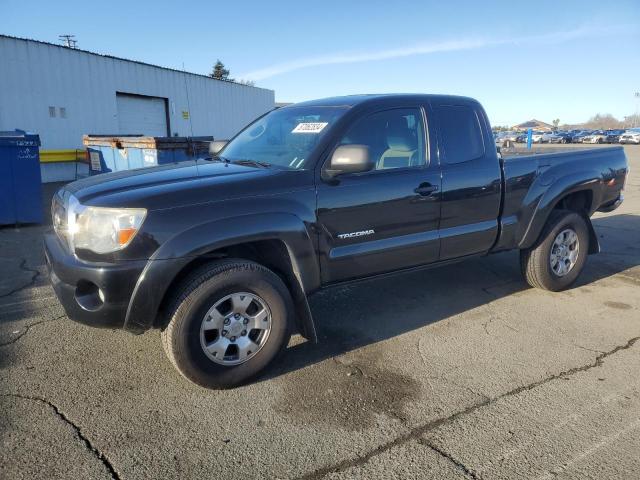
[581, 202]
[576, 202]
[272, 254]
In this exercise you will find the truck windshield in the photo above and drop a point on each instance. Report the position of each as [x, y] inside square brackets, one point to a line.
[284, 137]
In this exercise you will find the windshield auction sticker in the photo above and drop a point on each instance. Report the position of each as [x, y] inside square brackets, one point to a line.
[309, 127]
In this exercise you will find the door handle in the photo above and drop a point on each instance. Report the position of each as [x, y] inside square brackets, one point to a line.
[426, 189]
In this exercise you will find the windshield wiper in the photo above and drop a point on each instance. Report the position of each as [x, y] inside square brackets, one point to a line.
[217, 158]
[251, 163]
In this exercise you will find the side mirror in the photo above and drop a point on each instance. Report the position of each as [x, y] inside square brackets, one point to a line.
[349, 159]
[215, 147]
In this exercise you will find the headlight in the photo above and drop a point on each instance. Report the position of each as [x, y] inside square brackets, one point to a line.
[100, 229]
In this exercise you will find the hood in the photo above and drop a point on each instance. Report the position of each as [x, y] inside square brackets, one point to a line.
[165, 186]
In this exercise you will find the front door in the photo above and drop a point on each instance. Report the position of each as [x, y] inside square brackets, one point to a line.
[387, 218]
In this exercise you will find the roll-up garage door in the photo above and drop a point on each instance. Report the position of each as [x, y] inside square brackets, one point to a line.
[142, 115]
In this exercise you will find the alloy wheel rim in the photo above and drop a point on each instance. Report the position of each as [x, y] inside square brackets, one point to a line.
[564, 252]
[235, 328]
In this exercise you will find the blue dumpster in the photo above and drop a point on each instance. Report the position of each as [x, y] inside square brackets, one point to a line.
[108, 153]
[20, 183]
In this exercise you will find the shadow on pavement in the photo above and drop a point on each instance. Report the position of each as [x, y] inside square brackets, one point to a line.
[348, 318]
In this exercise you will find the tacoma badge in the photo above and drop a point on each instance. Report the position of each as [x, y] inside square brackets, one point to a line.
[356, 234]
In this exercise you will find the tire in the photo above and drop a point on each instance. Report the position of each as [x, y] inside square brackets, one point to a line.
[536, 262]
[185, 335]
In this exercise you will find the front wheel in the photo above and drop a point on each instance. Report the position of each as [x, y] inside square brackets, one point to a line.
[227, 321]
[558, 257]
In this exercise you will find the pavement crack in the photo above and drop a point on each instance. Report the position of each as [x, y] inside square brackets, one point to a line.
[417, 432]
[584, 348]
[458, 464]
[485, 325]
[35, 274]
[29, 327]
[93, 449]
[492, 317]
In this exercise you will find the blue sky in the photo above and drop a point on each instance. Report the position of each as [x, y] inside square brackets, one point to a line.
[543, 59]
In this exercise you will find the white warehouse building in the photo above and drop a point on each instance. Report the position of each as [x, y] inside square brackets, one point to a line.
[64, 93]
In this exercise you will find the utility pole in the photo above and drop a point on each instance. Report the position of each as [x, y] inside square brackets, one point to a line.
[68, 40]
[636, 118]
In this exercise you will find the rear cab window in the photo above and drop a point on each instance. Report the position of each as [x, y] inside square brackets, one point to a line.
[461, 133]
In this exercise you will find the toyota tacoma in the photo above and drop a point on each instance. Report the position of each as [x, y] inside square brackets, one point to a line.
[220, 254]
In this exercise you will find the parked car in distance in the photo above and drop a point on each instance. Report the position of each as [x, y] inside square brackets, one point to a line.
[597, 136]
[511, 136]
[547, 137]
[539, 137]
[577, 138]
[560, 137]
[221, 254]
[613, 136]
[631, 137]
[501, 138]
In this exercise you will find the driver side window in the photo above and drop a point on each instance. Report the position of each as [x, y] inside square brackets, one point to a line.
[395, 138]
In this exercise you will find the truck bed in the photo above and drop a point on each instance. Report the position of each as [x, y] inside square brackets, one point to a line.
[520, 151]
[533, 180]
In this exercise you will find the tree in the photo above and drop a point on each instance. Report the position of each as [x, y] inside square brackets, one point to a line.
[603, 121]
[219, 72]
[556, 122]
[632, 120]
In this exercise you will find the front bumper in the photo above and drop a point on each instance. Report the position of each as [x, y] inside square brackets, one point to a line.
[95, 294]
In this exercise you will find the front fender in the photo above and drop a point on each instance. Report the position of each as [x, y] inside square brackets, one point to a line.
[182, 248]
[547, 191]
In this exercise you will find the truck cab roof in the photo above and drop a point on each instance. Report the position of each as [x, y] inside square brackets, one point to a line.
[380, 98]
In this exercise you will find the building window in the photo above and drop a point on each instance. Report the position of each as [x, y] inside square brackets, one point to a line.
[52, 112]
[63, 112]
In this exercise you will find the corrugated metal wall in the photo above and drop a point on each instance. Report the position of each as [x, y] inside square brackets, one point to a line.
[36, 76]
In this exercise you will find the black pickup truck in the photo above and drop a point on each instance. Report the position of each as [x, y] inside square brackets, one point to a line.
[221, 254]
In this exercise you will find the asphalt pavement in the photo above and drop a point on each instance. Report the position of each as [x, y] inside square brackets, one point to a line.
[457, 372]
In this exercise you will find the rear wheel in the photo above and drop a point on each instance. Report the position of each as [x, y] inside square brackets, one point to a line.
[227, 321]
[557, 259]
